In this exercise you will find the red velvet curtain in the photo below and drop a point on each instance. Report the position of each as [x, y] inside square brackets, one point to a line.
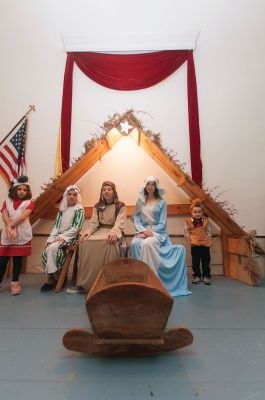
[132, 72]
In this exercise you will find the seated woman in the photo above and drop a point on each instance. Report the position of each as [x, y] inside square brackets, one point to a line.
[151, 243]
[99, 244]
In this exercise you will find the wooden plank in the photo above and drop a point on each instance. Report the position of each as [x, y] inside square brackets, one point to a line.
[238, 269]
[83, 341]
[161, 159]
[233, 266]
[222, 218]
[73, 174]
[238, 246]
[65, 269]
[243, 272]
[215, 212]
[149, 342]
[130, 235]
[178, 209]
[112, 137]
[172, 209]
[226, 259]
[212, 209]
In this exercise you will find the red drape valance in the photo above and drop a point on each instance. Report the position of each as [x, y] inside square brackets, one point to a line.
[132, 72]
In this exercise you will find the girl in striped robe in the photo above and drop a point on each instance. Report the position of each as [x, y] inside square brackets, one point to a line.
[65, 232]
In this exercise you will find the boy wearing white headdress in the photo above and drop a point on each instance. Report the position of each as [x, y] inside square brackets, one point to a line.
[65, 232]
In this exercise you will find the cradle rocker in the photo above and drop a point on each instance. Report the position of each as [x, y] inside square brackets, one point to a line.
[128, 309]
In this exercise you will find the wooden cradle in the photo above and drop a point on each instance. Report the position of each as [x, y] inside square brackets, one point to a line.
[128, 309]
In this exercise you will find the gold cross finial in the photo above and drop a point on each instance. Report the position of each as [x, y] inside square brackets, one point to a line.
[32, 107]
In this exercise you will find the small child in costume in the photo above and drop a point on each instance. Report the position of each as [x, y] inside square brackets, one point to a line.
[198, 233]
[17, 232]
[65, 232]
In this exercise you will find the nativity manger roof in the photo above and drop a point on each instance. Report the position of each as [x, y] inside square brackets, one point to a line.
[235, 241]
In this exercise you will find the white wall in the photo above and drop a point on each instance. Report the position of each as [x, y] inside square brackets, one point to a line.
[135, 166]
[230, 65]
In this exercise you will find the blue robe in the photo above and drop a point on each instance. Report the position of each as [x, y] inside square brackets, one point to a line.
[166, 259]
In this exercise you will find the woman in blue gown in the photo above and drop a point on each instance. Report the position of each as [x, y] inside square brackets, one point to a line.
[151, 243]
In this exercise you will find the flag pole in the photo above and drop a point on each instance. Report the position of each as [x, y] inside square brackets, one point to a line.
[31, 108]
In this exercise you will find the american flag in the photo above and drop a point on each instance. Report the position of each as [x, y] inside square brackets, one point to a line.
[12, 154]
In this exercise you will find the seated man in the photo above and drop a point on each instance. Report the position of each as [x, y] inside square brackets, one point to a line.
[99, 244]
[65, 232]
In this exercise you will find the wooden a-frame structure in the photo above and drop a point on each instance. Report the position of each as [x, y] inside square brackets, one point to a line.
[238, 261]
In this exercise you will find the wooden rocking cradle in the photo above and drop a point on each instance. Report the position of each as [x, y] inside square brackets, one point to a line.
[128, 309]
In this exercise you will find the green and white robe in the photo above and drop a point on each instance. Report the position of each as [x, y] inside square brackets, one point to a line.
[67, 225]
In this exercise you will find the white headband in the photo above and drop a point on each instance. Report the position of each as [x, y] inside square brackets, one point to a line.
[161, 191]
[63, 205]
[16, 183]
[72, 187]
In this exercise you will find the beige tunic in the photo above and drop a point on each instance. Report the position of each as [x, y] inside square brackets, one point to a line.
[96, 251]
[23, 230]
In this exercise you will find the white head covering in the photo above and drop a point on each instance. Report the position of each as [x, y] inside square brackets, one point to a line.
[63, 205]
[21, 180]
[159, 188]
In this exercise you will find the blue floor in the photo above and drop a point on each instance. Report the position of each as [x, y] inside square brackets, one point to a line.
[226, 360]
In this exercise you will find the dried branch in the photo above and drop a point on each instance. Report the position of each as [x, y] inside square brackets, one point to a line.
[253, 269]
[228, 207]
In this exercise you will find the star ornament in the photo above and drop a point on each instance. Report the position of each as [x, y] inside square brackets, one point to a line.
[125, 127]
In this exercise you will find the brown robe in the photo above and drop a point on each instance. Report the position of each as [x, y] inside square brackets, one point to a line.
[96, 251]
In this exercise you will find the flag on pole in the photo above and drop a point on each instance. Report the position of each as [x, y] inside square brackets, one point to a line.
[12, 153]
[58, 161]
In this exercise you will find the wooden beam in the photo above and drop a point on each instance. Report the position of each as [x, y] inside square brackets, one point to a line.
[54, 193]
[112, 137]
[236, 260]
[225, 254]
[238, 246]
[215, 212]
[172, 209]
[160, 158]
